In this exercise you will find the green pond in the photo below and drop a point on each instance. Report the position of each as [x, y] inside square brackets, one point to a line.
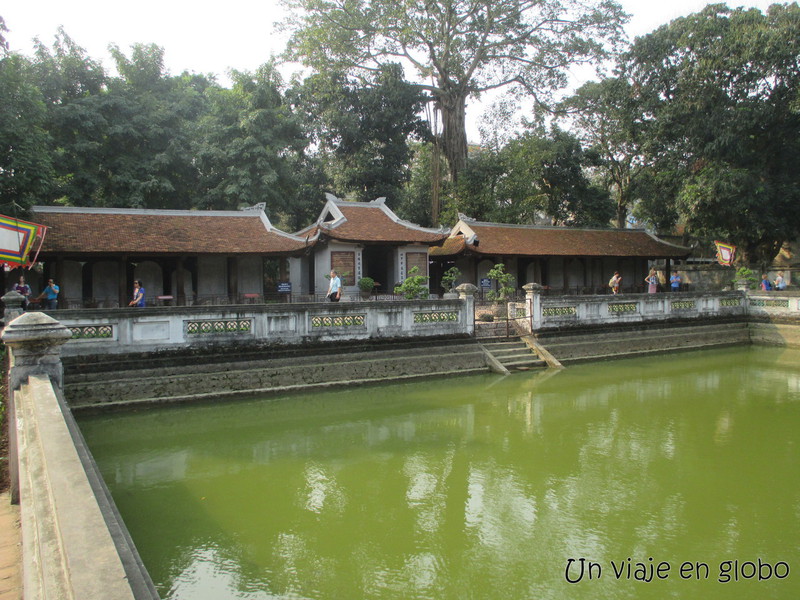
[670, 476]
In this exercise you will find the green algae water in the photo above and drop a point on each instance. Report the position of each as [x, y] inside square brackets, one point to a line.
[657, 477]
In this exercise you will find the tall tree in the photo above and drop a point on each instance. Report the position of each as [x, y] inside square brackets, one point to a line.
[252, 144]
[3, 42]
[534, 178]
[458, 48]
[364, 130]
[25, 164]
[610, 122]
[719, 88]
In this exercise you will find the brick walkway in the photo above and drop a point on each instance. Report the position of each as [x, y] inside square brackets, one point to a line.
[10, 576]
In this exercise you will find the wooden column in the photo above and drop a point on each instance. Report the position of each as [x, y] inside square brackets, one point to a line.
[122, 281]
[60, 283]
[180, 293]
[233, 278]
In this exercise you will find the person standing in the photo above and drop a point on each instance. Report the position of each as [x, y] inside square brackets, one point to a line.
[780, 282]
[24, 290]
[50, 295]
[335, 287]
[138, 294]
[675, 282]
[615, 282]
[652, 282]
[766, 284]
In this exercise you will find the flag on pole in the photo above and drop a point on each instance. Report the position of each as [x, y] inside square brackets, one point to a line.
[725, 253]
[17, 239]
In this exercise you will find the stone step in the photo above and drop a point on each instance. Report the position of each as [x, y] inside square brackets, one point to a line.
[161, 384]
[224, 364]
[635, 353]
[566, 349]
[530, 362]
[549, 338]
[273, 390]
[216, 355]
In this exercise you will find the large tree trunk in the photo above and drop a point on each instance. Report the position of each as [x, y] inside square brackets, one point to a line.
[454, 131]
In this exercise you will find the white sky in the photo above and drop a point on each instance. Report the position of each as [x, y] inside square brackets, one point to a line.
[211, 37]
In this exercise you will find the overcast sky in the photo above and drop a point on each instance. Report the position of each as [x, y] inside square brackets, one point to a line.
[211, 37]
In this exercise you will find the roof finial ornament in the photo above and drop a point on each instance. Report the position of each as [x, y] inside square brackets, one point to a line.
[330, 197]
[465, 218]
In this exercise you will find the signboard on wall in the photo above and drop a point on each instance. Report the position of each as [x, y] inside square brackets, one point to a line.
[284, 287]
[344, 263]
[486, 282]
[417, 259]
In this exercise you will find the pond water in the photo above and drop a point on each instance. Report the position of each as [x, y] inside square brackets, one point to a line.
[482, 487]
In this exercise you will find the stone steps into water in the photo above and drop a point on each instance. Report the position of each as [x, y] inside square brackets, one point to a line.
[178, 379]
[513, 353]
[608, 343]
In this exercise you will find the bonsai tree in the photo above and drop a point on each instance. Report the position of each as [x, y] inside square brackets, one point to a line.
[414, 286]
[366, 284]
[504, 283]
[449, 278]
[743, 274]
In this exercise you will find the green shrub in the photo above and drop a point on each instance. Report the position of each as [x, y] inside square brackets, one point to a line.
[504, 283]
[366, 284]
[414, 286]
[449, 278]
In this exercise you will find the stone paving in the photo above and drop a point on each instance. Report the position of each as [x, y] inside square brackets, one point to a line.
[10, 542]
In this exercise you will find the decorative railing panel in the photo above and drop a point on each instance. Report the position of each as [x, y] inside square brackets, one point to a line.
[91, 332]
[219, 326]
[623, 307]
[338, 321]
[683, 305]
[429, 317]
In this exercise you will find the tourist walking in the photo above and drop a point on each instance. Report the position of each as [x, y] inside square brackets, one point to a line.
[138, 294]
[780, 282]
[615, 282]
[766, 284]
[335, 287]
[675, 282]
[652, 282]
[50, 295]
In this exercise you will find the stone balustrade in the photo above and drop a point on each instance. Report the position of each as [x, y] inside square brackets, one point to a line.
[116, 331]
[549, 312]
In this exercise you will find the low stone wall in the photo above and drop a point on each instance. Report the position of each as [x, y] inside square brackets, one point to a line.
[540, 313]
[118, 331]
[74, 544]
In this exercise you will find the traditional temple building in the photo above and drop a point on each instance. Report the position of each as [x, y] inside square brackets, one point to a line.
[563, 259]
[363, 239]
[182, 257]
[222, 257]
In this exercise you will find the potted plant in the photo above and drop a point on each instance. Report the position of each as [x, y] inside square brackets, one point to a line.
[504, 289]
[365, 287]
[449, 281]
[745, 279]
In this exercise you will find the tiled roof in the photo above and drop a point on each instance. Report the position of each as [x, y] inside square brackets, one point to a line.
[373, 222]
[131, 231]
[523, 240]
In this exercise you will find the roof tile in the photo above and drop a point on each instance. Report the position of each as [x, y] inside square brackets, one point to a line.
[93, 231]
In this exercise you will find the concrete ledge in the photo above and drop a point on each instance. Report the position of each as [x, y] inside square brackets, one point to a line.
[69, 552]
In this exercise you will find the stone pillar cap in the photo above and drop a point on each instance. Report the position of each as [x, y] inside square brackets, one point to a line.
[12, 295]
[467, 289]
[531, 287]
[34, 327]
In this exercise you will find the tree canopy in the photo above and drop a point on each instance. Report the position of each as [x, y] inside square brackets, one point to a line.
[719, 90]
[457, 48]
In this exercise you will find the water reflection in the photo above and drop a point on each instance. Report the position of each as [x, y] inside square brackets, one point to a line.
[478, 488]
